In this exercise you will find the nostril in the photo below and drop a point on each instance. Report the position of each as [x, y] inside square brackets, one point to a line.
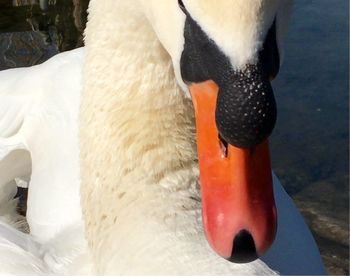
[243, 248]
[223, 147]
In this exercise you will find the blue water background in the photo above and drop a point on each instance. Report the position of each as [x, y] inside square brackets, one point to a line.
[310, 144]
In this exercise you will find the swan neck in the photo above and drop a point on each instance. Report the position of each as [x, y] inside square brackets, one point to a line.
[136, 130]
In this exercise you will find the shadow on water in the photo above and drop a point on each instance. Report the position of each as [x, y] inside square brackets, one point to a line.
[310, 142]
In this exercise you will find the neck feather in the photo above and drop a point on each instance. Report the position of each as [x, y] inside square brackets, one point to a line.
[137, 130]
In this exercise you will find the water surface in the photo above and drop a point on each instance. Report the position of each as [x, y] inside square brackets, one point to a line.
[310, 144]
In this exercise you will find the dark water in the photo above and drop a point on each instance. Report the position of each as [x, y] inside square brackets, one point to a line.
[30, 35]
[310, 144]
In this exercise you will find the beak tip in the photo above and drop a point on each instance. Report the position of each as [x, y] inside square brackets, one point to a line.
[243, 248]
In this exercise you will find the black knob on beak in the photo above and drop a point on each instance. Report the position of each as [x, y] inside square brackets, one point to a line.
[246, 108]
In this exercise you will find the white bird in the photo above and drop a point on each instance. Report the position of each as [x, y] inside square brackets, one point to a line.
[139, 175]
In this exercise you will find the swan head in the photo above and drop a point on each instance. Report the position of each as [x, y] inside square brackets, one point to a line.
[225, 53]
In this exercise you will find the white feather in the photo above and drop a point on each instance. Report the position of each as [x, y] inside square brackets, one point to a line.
[139, 191]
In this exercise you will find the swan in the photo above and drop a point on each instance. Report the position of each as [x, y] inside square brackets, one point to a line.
[137, 137]
[139, 192]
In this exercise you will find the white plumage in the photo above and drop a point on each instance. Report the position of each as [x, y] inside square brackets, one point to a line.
[146, 217]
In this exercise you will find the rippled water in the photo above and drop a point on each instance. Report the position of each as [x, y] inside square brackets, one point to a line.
[311, 141]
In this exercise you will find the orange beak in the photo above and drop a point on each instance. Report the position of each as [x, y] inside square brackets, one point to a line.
[238, 207]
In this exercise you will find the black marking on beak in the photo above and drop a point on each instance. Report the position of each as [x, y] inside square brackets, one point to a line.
[246, 108]
[243, 250]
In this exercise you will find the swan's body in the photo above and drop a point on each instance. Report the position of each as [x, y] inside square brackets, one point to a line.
[141, 203]
[39, 141]
[24, 255]
[37, 118]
